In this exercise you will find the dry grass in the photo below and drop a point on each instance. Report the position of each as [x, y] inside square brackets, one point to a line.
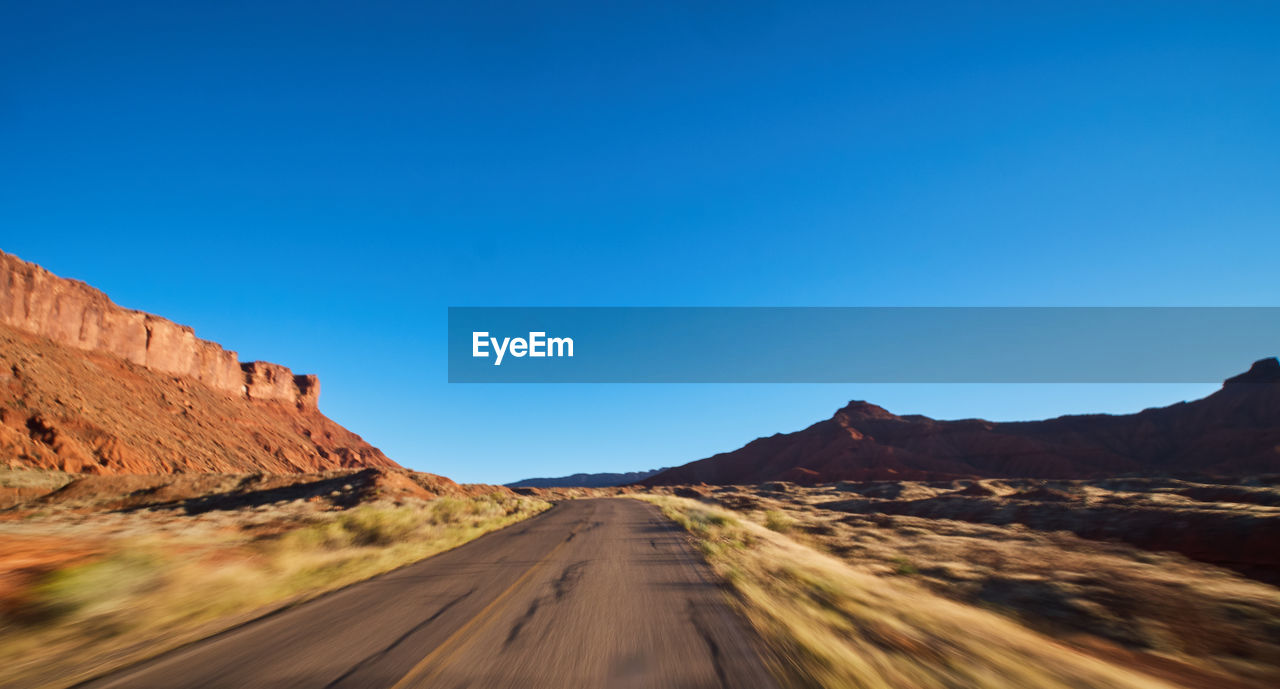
[1200, 624]
[830, 625]
[777, 520]
[159, 581]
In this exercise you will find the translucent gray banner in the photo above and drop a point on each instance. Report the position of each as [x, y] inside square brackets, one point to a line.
[857, 344]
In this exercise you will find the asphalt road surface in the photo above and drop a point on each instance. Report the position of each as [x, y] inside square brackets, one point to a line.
[593, 593]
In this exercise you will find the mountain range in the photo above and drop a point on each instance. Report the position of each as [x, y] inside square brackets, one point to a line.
[602, 480]
[87, 386]
[1233, 432]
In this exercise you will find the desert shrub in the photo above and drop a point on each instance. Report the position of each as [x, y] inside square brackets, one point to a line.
[449, 510]
[372, 525]
[777, 520]
[705, 522]
[93, 587]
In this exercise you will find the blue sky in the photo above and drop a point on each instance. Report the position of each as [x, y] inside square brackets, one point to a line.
[313, 183]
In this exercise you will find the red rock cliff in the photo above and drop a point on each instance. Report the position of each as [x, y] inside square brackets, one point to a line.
[71, 313]
[89, 387]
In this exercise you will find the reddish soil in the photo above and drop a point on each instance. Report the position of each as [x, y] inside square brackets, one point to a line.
[196, 493]
[25, 559]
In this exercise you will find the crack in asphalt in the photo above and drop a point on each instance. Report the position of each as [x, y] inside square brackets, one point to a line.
[563, 584]
[569, 578]
[716, 661]
[519, 625]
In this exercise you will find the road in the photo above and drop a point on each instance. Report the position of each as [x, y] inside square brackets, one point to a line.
[592, 593]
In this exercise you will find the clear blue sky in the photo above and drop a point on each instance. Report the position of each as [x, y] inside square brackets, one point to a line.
[313, 183]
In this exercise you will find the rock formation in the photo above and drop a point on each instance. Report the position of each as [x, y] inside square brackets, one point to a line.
[72, 313]
[1233, 432]
[89, 387]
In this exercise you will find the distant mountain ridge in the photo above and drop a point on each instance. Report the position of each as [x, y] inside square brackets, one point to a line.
[1233, 432]
[604, 480]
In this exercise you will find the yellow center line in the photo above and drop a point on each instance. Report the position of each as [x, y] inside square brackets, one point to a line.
[481, 618]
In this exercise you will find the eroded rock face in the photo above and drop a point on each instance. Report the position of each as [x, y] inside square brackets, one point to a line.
[267, 381]
[88, 412]
[71, 313]
[89, 387]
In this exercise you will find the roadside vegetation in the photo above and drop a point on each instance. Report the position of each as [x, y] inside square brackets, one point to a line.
[1133, 602]
[830, 625]
[159, 581]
